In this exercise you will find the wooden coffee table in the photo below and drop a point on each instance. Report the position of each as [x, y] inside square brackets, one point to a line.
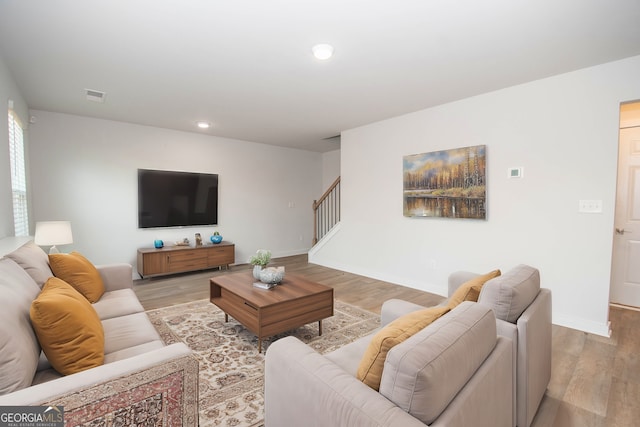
[293, 303]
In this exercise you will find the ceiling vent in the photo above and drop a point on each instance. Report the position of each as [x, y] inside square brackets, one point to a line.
[95, 95]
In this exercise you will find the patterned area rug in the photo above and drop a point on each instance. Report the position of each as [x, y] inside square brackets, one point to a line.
[155, 396]
[231, 369]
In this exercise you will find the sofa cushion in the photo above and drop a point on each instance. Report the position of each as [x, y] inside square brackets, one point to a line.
[470, 290]
[129, 352]
[68, 328]
[19, 348]
[34, 261]
[423, 374]
[372, 363]
[117, 303]
[128, 331]
[348, 356]
[79, 272]
[510, 294]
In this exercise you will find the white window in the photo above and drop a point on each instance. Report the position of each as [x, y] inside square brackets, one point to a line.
[18, 177]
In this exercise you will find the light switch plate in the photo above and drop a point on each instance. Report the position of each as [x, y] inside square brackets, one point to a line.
[590, 206]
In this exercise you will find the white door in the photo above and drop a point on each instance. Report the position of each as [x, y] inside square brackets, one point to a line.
[625, 269]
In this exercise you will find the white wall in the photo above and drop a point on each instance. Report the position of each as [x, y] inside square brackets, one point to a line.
[330, 168]
[8, 91]
[85, 170]
[562, 130]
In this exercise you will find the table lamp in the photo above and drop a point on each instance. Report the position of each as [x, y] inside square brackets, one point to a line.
[53, 233]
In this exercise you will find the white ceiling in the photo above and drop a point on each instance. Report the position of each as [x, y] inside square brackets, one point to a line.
[246, 65]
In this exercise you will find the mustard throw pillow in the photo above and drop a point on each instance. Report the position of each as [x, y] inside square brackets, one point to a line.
[470, 291]
[372, 362]
[79, 272]
[67, 327]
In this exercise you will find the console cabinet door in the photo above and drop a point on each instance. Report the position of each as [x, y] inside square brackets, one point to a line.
[186, 260]
[153, 263]
[221, 255]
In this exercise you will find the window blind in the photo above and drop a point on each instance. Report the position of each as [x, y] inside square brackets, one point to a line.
[18, 177]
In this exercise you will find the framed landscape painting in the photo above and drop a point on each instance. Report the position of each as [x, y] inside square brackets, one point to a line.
[448, 184]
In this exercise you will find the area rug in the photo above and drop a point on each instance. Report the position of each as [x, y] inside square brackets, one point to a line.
[231, 369]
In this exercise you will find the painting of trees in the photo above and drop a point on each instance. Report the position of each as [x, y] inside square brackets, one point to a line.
[450, 183]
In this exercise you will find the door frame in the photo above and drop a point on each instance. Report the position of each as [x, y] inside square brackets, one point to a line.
[629, 117]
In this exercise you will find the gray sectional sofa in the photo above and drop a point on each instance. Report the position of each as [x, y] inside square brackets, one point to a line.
[524, 316]
[432, 378]
[139, 370]
[303, 387]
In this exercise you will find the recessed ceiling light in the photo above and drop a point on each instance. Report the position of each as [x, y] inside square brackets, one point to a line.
[203, 125]
[322, 51]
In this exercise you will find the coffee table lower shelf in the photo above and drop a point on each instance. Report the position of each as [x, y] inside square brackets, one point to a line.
[295, 302]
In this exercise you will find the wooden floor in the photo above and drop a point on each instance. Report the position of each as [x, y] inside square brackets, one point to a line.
[595, 380]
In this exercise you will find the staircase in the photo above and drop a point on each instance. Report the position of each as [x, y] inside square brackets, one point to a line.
[326, 211]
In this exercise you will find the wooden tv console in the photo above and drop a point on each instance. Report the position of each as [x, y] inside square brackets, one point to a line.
[179, 259]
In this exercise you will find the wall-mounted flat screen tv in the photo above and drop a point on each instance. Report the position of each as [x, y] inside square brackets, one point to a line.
[176, 199]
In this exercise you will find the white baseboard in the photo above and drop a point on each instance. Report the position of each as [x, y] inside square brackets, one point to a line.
[582, 325]
[558, 319]
[438, 290]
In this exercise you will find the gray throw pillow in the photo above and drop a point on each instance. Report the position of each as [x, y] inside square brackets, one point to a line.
[19, 348]
[510, 294]
[34, 261]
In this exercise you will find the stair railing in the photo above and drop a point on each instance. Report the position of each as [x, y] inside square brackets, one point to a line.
[326, 211]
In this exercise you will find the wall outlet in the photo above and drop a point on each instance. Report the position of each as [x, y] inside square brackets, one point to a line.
[590, 206]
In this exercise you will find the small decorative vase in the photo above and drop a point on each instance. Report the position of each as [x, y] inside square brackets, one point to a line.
[158, 243]
[256, 271]
[272, 275]
[216, 238]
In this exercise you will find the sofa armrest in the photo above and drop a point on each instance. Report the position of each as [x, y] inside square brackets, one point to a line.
[116, 276]
[534, 356]
[394, 308]
[163, 359]
[457, 278]
[303, 387]
[510, 331]
[487, 398]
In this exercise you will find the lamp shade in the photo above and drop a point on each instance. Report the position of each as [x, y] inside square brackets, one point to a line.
[53, 233]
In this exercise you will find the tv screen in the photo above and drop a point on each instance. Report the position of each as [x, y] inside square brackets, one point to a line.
[176, 199]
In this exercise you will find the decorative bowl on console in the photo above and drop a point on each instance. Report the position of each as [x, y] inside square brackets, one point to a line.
[272, 275]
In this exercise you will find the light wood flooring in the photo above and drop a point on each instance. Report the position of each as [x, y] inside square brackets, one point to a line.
[595, 380]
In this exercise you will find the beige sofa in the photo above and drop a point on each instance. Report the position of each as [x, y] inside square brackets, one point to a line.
[140, 375]
[454, 372]
[523, 315]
